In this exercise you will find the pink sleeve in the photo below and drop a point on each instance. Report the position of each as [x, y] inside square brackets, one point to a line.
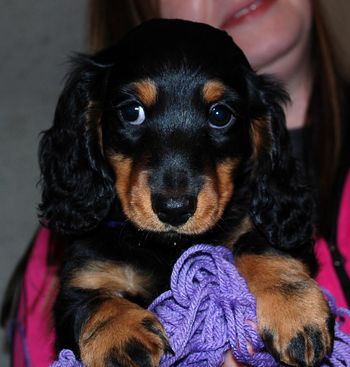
[327, 276]
[344, 225]
[34, 334]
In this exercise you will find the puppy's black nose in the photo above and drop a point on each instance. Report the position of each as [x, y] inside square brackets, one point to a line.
[174, 210]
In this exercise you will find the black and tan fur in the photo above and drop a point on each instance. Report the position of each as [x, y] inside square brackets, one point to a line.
[210, 163]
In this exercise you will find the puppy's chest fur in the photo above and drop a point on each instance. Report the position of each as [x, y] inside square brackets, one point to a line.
[119, 257]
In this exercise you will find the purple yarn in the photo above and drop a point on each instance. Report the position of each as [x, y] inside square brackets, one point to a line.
[207, 312]
[66, 358]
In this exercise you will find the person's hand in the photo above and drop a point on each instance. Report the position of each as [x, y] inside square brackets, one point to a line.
[229, 361]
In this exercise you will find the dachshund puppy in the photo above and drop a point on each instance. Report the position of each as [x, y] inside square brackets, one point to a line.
[166, 140]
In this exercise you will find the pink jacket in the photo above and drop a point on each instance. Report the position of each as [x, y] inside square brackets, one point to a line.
[34, 332]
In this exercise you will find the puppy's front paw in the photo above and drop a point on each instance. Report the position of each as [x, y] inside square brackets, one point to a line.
[294, 319]
[121, 333]
[295, 323]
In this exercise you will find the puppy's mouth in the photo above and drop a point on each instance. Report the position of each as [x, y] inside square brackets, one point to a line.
[180, 213]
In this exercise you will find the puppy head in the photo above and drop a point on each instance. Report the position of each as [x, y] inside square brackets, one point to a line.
[163, 123]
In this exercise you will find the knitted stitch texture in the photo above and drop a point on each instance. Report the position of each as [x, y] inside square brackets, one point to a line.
[209, 310]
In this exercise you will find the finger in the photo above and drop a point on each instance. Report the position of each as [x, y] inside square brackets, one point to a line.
[229, 361]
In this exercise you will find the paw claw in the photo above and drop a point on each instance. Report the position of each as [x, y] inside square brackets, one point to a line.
[168, 349]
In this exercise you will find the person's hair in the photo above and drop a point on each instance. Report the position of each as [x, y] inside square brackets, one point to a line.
[324, 142]
[109, 20]
[324, 146]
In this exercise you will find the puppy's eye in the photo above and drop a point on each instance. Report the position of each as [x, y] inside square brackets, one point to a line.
[220, 116]
[132, 113]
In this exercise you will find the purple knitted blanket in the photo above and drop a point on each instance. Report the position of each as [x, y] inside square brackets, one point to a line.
[207, 312]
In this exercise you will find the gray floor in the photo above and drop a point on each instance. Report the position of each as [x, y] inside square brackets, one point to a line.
[36, 38]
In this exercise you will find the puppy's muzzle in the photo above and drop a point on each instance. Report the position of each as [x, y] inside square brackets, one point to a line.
[174, 210]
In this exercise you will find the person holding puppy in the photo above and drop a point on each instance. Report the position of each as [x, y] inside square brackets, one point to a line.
[287, 38]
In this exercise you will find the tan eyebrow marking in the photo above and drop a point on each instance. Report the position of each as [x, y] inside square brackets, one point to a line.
[146, 91]
[213, 90]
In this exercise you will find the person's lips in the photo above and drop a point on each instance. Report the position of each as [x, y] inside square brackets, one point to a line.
[247, 10]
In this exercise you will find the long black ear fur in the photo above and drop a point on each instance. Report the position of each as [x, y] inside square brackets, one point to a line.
[77, 185]
[282, 205]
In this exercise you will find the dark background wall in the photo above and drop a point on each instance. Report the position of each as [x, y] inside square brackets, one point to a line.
[36, 36]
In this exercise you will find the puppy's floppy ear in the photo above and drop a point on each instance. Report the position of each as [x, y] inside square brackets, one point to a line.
[77, 185]
[282, 203]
